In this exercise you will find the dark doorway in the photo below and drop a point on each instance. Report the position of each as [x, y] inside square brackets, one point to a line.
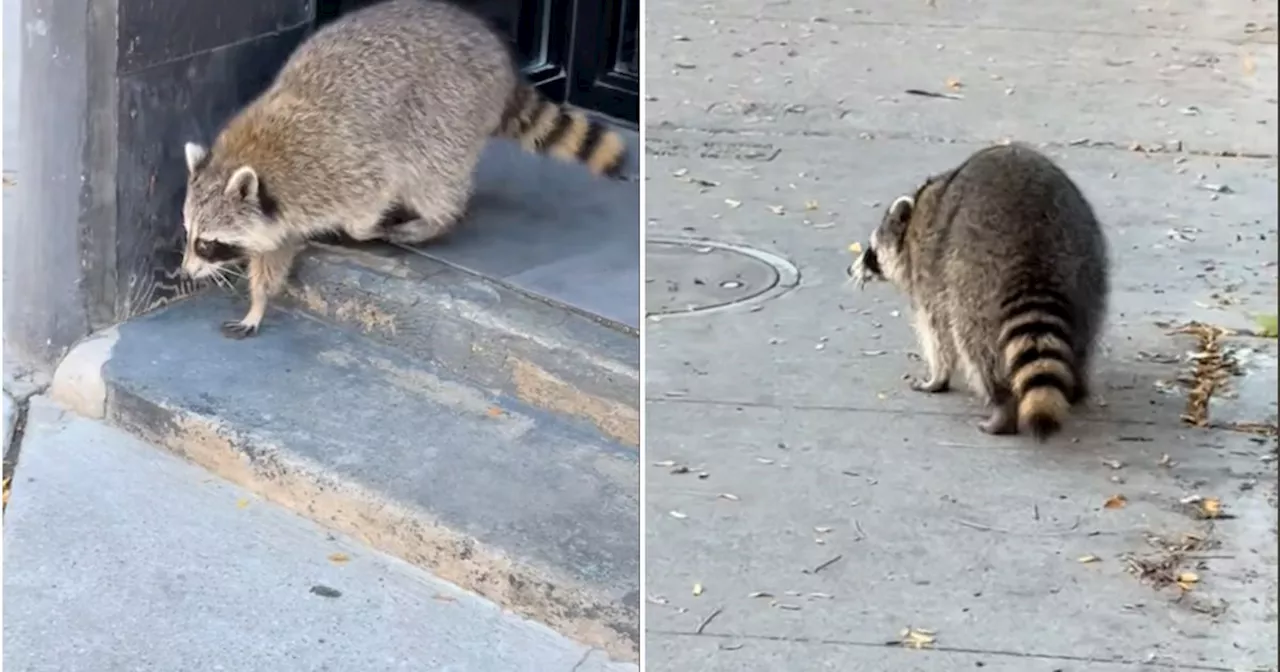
[585, 52]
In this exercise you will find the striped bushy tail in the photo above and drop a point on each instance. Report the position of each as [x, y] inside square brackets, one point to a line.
[1043, 372]
[544, 127]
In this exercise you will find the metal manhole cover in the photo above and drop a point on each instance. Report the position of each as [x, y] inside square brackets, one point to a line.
[685, 275]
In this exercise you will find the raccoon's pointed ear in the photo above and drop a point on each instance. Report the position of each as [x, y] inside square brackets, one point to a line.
[195, 155]
[901, 209]
[243, 184]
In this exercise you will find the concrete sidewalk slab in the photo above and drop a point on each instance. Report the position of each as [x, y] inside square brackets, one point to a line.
[120, 556]
[784, 128]
[939, 525]
[553, 231]
[977, 539]
[1179, 254]
[486, 332]
[535, 513]
[831, 70]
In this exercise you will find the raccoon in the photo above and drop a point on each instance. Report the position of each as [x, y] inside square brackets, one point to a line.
[372, 130]
[1007, 270]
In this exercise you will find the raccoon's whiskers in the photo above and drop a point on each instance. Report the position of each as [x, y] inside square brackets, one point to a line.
[220, 281]
[224, 281]
[227, 271]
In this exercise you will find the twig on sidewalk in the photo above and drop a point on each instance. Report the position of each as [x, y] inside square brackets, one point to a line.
[934, 94]
[824, 565]
[980, 526]
[707, 621]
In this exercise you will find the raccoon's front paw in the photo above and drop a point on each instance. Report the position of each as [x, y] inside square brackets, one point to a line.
[931, 386]
[238, 330]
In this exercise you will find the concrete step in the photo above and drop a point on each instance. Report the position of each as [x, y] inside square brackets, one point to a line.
[424, 441]
[476, 327]
[119, 556]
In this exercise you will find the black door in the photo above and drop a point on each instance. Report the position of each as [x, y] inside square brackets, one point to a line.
[585, 52]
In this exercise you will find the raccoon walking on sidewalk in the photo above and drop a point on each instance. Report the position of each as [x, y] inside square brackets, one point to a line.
[372, 129]
[1007, 270]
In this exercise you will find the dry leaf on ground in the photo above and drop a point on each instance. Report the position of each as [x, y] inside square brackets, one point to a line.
[1115, 502]
[339, 558]
[916, 638]
[1211, 507]
[1204, 508]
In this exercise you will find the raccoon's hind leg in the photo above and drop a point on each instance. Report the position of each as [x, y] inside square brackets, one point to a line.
[401, 224]
[985, 377]
[419, 230]
[1004, 412]
[374, 223]
[939, 352]
[437, 196]
[1083, 352]
[437, 211]
[268, 274]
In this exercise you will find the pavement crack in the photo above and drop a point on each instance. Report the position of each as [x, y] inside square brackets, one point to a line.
[585, 655]
[824, 641]
[837, 408]
[13, 446]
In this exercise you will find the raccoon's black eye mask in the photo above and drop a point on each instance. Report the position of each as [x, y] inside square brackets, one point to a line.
[865, 267]
[871, 262]
[218, 252]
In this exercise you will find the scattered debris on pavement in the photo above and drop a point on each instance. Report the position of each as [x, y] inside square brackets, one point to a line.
[914, 638]
[1213, 367]
[325, 591]
[1204, 508]
[1176, 562]
[702, 625]
[934, 94]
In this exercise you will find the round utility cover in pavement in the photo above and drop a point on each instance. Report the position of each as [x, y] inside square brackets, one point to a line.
[684, 275]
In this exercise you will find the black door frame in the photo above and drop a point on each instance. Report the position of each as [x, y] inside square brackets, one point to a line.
[574, 51]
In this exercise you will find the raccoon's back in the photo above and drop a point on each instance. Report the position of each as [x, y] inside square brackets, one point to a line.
[1015, 220]
[371, 66]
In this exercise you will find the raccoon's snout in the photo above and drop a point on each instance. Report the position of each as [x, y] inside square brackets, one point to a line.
[871, 262]
[866, 267]
[195, 268]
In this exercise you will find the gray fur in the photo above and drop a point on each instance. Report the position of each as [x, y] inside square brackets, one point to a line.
[1007, 222]
[389, 105]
